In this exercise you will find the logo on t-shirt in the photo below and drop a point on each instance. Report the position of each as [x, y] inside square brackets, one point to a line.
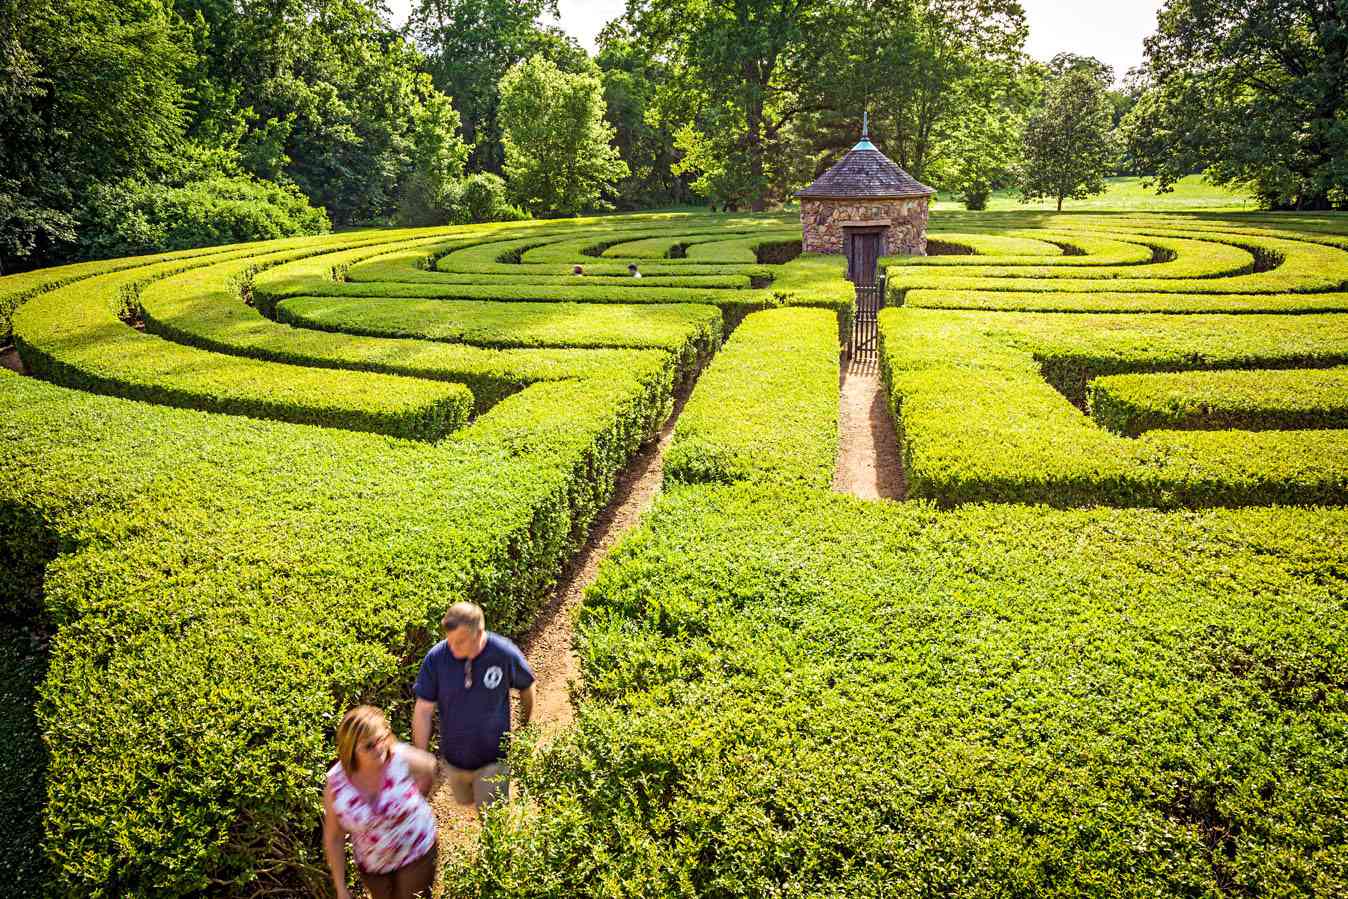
[492, 679]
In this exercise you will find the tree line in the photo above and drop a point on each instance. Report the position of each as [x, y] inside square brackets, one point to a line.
[138, 125]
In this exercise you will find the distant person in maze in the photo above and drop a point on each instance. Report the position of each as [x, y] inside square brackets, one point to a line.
[377, 793]
[632, 270]
[467, 677]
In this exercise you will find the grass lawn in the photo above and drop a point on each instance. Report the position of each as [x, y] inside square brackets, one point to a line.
[1191, 193]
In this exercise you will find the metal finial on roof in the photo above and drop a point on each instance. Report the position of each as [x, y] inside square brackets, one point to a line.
[865, 142]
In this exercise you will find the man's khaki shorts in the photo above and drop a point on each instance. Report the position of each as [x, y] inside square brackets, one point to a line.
[480, 787]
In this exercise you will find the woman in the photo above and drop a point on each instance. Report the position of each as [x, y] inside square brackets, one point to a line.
[377, 793]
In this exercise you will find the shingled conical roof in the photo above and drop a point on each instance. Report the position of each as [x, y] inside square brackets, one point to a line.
[865, 173]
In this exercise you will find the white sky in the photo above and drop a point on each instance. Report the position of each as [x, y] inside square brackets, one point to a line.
[1110, 31]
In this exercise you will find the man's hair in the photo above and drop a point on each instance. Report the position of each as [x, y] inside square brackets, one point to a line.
[362, 723]
[463, 614]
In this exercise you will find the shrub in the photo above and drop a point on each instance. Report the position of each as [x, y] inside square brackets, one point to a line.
[974, 400]
[691, 332]
[129, 218]
[227, 587]
[483, 199]
[72, 336]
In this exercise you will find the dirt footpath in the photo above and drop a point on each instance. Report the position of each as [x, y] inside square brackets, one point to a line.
[869, 463]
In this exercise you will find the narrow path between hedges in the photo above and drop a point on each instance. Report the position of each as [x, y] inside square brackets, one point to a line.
[9, 358]
[869, 464]
[547, 645]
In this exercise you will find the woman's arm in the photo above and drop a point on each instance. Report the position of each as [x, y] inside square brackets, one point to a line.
[422, 766]
[334, 846]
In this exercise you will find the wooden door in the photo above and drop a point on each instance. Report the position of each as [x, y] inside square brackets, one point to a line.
[863, 254]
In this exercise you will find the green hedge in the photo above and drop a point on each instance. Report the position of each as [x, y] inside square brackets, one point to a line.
[229, 586]
[72, 335]
[791, 693]
[690, 332]
[767, 408]
[1109, 301]
[1004, 251]
[1210, 400]
[956, 243]
[974, 401]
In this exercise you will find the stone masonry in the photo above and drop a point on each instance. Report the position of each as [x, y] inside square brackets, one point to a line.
[822, 223]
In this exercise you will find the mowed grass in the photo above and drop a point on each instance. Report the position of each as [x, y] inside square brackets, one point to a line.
[1192, 193]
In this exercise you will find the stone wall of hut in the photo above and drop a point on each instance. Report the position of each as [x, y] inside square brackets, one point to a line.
[822, 223]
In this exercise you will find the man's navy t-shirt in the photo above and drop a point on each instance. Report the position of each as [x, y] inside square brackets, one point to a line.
[473, 721]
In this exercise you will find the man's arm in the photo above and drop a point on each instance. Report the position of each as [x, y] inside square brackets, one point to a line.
[421, 723]
[526, 705]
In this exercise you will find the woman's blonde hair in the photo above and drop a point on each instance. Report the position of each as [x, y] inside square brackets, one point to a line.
[362, 723]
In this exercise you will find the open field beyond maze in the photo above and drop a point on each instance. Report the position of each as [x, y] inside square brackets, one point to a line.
[1100, 647]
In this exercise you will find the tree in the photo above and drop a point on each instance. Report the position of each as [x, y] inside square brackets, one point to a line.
[631, 78]
[90, 93]
[738, 72]
[1069, 145]
[438, 157]
[1253, 91]
[319, 92]
[558, 155]
[470, 44]
[932, 73]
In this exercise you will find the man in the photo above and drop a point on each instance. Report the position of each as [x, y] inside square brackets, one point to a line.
[468, 677]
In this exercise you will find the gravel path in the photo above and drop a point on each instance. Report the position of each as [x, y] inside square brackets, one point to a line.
[869, 463]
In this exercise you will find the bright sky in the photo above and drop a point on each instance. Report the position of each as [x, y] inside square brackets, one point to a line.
[1111, 31]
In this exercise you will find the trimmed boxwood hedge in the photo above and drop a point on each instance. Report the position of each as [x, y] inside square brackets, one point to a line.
[1210, 400]
[1281, 266]
[767, 408]
[689, 331]
[792, 693]
[974, 401]
[202, 308]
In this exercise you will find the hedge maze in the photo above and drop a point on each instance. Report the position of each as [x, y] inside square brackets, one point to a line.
[1100, 648]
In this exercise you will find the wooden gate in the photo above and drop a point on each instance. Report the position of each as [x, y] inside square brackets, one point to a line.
[870, 297]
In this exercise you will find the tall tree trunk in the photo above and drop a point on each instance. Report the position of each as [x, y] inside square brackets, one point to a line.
[754, 139]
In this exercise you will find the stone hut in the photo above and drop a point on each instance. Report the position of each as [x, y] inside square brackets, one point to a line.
[863, 205]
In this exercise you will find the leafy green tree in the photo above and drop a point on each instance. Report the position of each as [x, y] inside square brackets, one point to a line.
[470, 44]
[90, 93]
[322, 93]
[738, 72]
[1253, 91]
[631, 77]
[559, 158]
[931, 73]
[1069, 144]
[438, 157]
